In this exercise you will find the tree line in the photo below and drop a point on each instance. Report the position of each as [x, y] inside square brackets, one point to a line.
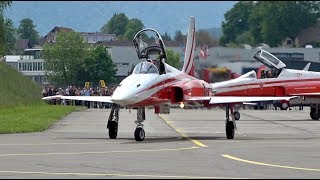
[270, 22]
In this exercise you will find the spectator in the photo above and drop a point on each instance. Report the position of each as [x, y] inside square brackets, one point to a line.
[87, 93]
[44, 92]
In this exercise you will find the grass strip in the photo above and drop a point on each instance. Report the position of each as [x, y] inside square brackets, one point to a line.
[32, 118]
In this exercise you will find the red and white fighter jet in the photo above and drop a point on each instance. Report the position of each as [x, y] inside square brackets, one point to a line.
[154, 83]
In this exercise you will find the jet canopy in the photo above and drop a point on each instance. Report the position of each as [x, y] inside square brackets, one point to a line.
[149, 44]
[268, 59]
[145, 68]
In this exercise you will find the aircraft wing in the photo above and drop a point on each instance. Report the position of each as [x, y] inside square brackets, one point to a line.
[239, 99]
[81, 98]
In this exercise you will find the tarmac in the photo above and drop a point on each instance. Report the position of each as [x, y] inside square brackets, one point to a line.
[183, 144]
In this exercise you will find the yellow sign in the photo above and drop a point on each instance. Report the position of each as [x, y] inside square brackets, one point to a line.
[102, 83]
[87, 84]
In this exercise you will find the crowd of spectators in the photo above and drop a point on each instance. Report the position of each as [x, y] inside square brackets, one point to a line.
[77, 91]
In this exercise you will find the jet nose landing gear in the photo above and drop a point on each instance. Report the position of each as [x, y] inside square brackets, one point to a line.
[139, 133]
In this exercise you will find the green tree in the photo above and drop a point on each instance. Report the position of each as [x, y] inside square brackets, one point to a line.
[116, 25]
[134, 25]
[173, 59]
[2, 37]
[254, 20]
[3, 6]
[178, 36]
[64, 60]
[9, 36]
[27, 30]
[236, 21]
[273, 21]
[99, 66]
[166, 37]
[204, 38]
[296, 16]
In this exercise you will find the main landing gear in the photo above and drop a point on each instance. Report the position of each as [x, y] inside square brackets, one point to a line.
[315, 112]
[113, 122]
[230, 125]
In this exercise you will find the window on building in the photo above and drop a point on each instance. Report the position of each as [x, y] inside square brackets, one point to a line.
[24, 66]
[37, 55]
[19, 66]
[29, 66]
[40, 66]
[94, 38]
[35, 66]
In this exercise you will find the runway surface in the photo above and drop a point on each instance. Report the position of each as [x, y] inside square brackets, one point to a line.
[184, 144]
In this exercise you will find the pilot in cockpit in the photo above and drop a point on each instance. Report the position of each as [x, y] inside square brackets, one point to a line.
[159, 64]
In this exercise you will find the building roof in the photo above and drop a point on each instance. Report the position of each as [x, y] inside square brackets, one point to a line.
[42, 41]
[61, 29]
[96, 33]
[22, 44]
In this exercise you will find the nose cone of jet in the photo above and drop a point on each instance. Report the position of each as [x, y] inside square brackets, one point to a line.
[122, 97]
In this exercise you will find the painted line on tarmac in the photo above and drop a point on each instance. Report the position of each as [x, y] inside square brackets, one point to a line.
[97, 152]
[66, 143]
[114, 174]
[181, 133]
[265, 164]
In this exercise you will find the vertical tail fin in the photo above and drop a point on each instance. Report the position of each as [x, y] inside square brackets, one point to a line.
[188, 64]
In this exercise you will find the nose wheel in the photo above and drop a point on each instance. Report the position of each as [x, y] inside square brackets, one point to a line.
[139, 133]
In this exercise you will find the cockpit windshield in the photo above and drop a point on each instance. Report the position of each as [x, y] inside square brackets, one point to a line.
[145, 68]
[251, 74]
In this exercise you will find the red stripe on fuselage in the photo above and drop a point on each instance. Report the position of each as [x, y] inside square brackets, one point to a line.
[171, 79]
[152, 99]
[273, 82]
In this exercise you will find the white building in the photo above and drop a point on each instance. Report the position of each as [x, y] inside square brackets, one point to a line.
[30, 64]
[93, 37]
